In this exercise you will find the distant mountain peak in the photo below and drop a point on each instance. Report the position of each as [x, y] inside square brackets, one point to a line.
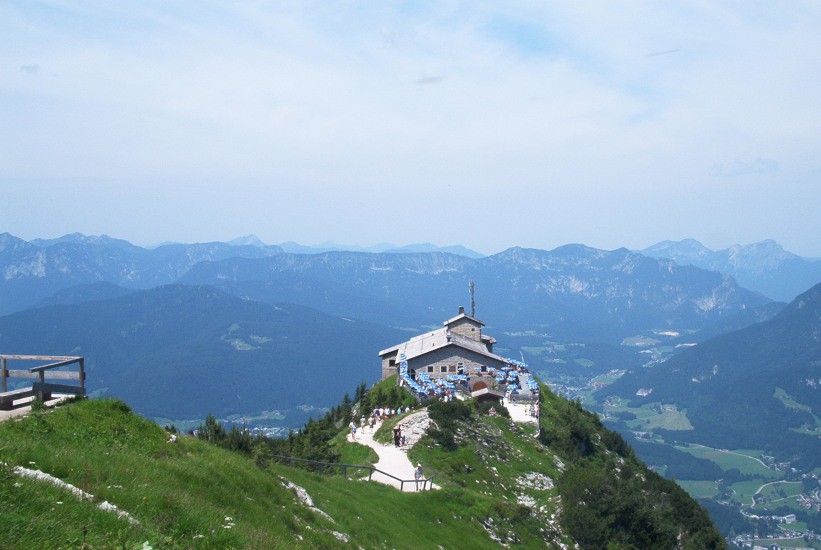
[248, 240]
[81, 238]
[763, 266]
[380, 248]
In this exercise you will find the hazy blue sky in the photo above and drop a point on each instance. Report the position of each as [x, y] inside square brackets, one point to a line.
[488, 124]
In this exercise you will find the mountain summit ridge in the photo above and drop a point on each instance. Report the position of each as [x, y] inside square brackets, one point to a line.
[763, 266]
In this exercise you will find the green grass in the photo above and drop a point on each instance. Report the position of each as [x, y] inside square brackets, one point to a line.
[378, 516]
[789, 543]
[648, 419]
[356, 453]
[191, 494]
[729, 459]
[789, 488]
[791, 403]
[771, 497]
[699, 489]
[744, 490]
[182, 492]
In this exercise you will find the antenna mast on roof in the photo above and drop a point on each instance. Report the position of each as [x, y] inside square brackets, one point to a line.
[472, 301]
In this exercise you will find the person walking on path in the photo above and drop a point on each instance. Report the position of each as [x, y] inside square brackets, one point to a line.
[353, 430]
[397, 435]
[417, 475]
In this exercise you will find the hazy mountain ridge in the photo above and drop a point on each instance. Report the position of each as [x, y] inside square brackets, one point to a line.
[574, 289]
[297, 248]
[764, 266]
[32, 273]
[616, 291]
[80, 238]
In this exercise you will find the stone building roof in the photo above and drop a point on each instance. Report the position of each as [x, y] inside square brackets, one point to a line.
[438, 339]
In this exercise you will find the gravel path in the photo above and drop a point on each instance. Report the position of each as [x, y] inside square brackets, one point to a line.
[394, 460]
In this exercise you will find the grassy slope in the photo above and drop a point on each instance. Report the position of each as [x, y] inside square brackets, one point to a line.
[183, 492]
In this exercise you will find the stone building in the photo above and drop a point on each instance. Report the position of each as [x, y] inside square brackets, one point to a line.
[457, 348]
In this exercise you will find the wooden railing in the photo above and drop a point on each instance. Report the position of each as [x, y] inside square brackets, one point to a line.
[43, 388]
[371, 470]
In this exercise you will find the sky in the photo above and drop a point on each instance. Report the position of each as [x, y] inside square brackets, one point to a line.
[484, 124]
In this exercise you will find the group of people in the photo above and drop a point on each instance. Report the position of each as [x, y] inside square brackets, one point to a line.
[370, 422]
[387, 412]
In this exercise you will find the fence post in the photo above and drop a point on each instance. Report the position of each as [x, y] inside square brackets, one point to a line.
[4, 375]
[82, 374]
[41, 395]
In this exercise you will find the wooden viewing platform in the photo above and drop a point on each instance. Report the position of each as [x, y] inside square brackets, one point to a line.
[43, 388]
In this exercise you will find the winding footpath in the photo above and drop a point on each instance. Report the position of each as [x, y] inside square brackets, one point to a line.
[394, 460]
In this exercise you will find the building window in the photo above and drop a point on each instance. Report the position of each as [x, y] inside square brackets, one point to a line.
[392, 363]
[443, 368]
[452, 368]
[430, 369]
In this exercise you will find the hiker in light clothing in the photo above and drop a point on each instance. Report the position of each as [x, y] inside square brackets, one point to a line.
[417, 474]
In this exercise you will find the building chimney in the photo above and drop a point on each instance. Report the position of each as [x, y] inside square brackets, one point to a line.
[461, 310]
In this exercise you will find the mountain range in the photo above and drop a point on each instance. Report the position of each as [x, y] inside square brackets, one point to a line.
[764, 267]
[33, 271]
[573, 292]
